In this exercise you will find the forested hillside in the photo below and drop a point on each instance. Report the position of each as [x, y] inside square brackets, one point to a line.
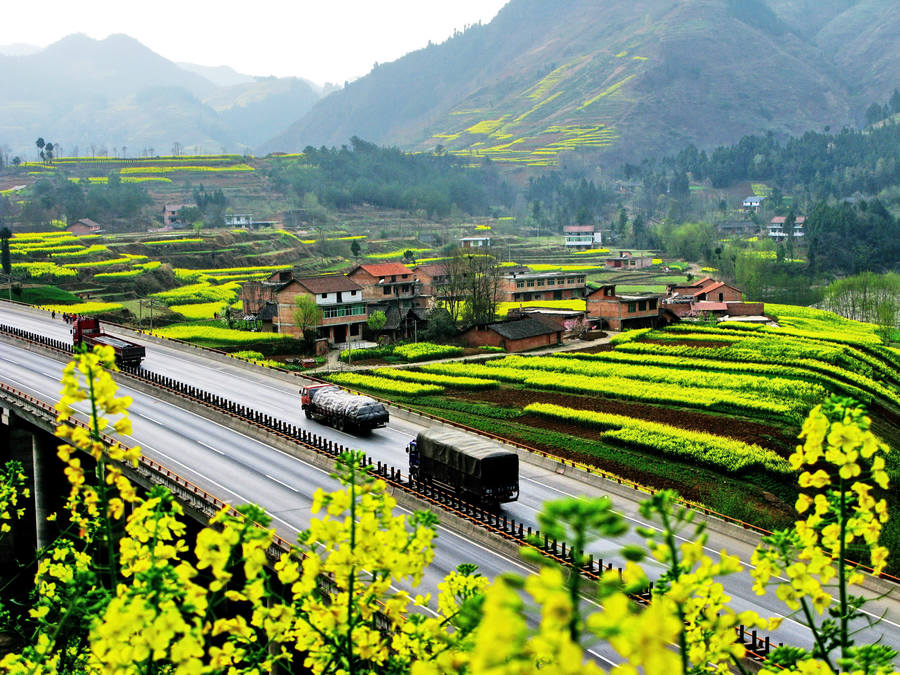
[618, 81]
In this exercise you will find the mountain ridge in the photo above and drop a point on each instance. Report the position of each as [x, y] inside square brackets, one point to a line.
[547, 82]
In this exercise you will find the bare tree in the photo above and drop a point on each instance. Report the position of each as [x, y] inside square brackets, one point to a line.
[469, 289]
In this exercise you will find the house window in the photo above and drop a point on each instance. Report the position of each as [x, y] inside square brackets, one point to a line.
[387, 290]
[721, 297]
[520, 284]
[531, 283]
[642, 306]
[324, 295]
[632, 307]
[540, 282]
[653, 304]
[551, 282]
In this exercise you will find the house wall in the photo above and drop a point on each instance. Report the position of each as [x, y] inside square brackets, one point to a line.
[515, 289]
[481, 337]
[721, 294]
[615, 310]
[254, 296]
[746, 308]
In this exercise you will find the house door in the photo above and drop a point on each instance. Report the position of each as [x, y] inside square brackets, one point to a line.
[340, 333]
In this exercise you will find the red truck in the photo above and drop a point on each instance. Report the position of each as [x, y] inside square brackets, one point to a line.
[341, 409]
[87, 331]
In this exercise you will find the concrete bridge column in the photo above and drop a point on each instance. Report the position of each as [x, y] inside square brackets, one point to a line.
[44, 461]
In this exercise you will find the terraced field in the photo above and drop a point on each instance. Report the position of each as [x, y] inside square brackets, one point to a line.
[712, 411]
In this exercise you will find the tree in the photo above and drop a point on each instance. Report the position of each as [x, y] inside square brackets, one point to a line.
[48, 153]
[355, 248]
[481, 284]
[409, 256]
[376, 321]
[5, 234]
[895, 102]
[874, 113]
[40, 146]
[307, 317]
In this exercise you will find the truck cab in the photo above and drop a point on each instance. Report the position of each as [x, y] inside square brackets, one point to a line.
[307, 392]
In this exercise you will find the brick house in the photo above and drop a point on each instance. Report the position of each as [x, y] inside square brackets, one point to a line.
[528, 286]
[705, 289]
[392, 283]
[517, 335]
[429, 276]
[621, 312]
[341, 300]
[84, 226]
[625, 260]
[170, 212]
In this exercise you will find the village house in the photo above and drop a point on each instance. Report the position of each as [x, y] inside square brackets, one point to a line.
[580, 237]
[777, 231]
[344, 310]
[238, 220]
[516, 335]
[529, 286]
[706, 288]
[625, 260]
[622, 312]
[170, 212]
[84, 226]
[389, 283]
[753, 203]
[475, 242]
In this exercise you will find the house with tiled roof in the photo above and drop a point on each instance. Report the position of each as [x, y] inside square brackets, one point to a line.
[389, 282]
[516, 335]
[344, 310]
[84, 226]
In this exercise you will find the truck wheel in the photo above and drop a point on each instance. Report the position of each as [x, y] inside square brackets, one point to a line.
[308, 414]
[339, 424]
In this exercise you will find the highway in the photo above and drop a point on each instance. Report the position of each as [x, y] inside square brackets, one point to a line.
[238, 469]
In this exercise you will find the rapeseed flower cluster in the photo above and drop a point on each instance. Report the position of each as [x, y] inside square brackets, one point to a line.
[840, 511]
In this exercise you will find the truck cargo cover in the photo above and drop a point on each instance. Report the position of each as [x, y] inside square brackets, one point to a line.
[352, 406]
[460, 450]
[111, 341]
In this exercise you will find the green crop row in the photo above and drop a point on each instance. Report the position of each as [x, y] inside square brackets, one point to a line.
[717, 451]
[423, 351]
[834, 377]
[453, 382]
[215, 335]
[383, 384]
[84, 308]
[44, 269]
[89, 250]
[475, 370]
[200, 292]
[99, 263]
[781, 387]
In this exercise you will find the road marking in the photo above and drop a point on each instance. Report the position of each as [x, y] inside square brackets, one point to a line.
[292, 489]
[206, 445]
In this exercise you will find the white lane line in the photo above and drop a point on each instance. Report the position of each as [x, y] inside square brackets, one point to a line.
[209, 447]
[289, 487]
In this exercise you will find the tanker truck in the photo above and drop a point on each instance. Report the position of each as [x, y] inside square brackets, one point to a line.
[477, 469]
[342, 409]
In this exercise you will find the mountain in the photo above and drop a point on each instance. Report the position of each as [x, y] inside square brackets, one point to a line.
[114, 93]
[19, 49]
[222, 76]
[618, 80]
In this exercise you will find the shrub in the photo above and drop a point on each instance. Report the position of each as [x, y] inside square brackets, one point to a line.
[454, 382]
[383, 384]
[425, 351]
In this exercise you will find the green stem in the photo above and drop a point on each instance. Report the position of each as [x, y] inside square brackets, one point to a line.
[676, 574]
[575, 586]
[102, 488]
[810, 622]
[351, 666]
[842, 572]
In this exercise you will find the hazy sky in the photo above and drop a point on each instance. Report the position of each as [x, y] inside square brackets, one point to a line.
[321, 40]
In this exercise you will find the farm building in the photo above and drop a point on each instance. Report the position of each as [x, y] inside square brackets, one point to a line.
[625, 260]
[705, 289]
[516, 335]
[582, 237]
[524, 287]
[341, 300]
[84, 226]
[622, 312]
[475, 242]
